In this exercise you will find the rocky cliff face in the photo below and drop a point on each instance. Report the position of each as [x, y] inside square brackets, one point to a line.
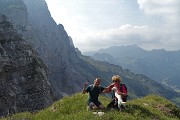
[66, 71]
[55, 48]
[10, 8]
[24, 83]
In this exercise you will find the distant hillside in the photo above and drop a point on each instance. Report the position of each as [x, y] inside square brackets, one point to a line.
[138, 85]
[151, 107]
[160, 65]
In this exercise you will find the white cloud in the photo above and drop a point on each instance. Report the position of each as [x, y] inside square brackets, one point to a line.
[95, 24]
[166, 34]
[124, 35]
[143, 36]
[168, 10]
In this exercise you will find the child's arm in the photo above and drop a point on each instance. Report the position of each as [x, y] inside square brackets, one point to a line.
[84, 88]
[108, 88]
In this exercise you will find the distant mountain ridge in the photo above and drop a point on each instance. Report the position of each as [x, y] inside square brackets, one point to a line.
[138, 84]
[160, 65]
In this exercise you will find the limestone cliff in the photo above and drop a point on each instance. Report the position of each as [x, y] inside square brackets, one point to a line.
[55, 48]
[24, 83]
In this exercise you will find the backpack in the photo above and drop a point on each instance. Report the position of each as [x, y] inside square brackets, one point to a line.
[125, 97]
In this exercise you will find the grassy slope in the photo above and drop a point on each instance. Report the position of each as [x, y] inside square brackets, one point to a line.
[74, 107]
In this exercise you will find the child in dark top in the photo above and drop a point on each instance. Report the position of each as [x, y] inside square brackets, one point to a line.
[94, 91]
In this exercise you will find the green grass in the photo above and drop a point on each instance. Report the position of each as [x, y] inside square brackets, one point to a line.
[74, 107]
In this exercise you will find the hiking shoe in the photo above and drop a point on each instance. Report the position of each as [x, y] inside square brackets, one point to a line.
[88, 108]
[122, 107]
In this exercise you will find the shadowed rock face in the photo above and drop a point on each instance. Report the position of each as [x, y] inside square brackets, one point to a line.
[24, 83]
[56, 49]
[10, 8]
[66, 71]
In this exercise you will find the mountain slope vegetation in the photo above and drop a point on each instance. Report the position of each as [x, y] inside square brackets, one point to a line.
[138, 85]
[160, 65]
[74, 107]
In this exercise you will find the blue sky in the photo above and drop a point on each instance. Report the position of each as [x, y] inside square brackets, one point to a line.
[96, 24]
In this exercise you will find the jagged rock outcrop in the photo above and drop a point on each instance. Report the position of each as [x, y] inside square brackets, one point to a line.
[10, 8]
[24, 82]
